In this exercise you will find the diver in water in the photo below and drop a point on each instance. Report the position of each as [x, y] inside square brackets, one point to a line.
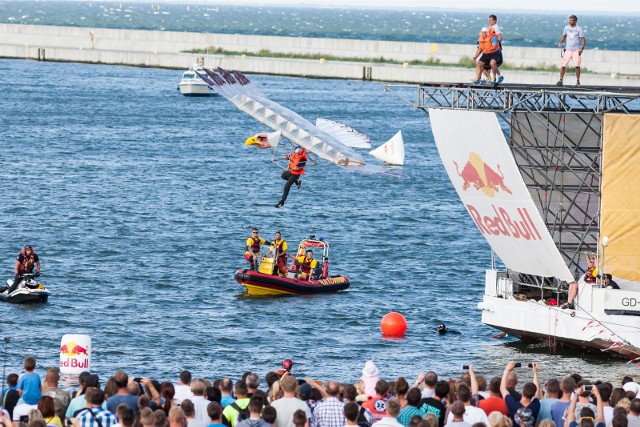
[442, 330]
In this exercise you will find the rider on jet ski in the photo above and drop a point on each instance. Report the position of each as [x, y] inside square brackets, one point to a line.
[25, 261]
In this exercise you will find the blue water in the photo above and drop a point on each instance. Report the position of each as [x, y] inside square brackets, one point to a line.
[139, 201]
[603, 31]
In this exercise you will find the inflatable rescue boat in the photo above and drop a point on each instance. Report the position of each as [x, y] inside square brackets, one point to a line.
[265, 281]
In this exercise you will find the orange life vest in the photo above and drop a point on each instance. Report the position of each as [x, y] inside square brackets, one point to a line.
[297, 162]
[486, 45]
[26, 266]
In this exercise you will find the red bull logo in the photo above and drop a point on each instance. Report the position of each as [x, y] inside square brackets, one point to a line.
[72, 350]
[477, 173]
[501, 222]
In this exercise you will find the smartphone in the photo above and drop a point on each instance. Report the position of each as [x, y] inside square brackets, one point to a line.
[531, 365]
[68, 422]
[518, 365]
[588, 387]
[24, 418]
[138, 379]
[465, 367]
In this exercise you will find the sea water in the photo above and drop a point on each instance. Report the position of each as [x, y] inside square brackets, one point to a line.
[603, 31]
[139, 201]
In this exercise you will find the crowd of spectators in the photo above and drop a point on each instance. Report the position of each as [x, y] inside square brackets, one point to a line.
[284, 401]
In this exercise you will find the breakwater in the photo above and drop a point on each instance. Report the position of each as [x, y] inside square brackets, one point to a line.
[166, 49]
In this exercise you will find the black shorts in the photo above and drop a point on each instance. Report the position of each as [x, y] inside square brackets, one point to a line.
[486, 59]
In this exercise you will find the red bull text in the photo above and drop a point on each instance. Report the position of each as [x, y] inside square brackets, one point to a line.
[516, 224]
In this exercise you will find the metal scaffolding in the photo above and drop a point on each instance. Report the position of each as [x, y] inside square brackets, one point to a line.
[555, 135]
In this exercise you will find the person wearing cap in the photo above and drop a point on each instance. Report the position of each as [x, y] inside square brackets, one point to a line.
[576, 40]
[297, 161]
[307, 264]
[489, 47]
[369, 378]
[289, 403]
[26, 260]
[287, 364]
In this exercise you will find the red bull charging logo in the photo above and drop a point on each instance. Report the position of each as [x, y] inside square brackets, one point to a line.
[72, 350]
[504, 221]
[477, 173]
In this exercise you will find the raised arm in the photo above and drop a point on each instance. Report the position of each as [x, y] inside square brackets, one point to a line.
[571, 411]
[536, 381]
[474, 381]
[505, 374]
[599, 406]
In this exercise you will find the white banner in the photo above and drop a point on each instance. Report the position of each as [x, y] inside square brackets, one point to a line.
[485, 175]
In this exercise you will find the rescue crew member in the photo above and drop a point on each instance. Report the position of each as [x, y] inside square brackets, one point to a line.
[253, 248]
[25, 261]
[489, 46]
[279, 246]
[307, 264]
[297, 161]
[590, 276]
[287, 364]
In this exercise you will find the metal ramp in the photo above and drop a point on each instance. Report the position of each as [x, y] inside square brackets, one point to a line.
[555, 134]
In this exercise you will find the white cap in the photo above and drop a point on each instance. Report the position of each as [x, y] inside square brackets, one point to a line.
[370, 369]
[632, 386]
[484, 30]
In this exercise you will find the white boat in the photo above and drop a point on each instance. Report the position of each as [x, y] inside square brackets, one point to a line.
[524, 298]
[192, 85]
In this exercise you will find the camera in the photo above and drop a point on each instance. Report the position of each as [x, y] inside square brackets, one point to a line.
[588, 387]
[517, 365]
[138, 380]
[24, 418]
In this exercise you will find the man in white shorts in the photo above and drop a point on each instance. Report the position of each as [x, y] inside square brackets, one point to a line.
[576, 40]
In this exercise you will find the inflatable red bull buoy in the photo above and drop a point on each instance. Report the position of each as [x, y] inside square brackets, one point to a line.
[75, 353]
[393, 325]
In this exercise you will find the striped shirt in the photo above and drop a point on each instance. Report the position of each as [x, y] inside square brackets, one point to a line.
[86, 419]
[328, 413]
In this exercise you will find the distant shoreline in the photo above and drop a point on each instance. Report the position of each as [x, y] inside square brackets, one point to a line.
[404, 62]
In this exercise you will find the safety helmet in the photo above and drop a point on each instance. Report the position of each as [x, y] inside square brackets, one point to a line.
[287, 364]
[298, 150]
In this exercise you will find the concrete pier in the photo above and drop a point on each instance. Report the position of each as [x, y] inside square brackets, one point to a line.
[163, 49]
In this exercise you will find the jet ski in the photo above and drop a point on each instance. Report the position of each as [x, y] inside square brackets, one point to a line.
[29, 291]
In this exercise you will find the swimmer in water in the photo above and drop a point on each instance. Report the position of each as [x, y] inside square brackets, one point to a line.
[442, 329]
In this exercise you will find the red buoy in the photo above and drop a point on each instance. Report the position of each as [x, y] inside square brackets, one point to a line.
[393, 324]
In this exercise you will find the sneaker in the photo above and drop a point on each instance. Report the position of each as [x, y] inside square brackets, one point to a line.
[577, 82]
[500, 79]
[567, 305]
[475, 82]
[298, 184]
[279, 204]
[559, 83]
[483, 81]
[494, 82]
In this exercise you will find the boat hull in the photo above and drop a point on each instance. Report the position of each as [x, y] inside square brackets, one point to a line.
[33, 297]
[595, 325]
[194, 89]
[260, 284]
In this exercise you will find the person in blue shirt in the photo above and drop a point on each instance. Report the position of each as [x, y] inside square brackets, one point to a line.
[29, 386]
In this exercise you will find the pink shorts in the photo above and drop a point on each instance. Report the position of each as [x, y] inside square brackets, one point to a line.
[571, 55]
